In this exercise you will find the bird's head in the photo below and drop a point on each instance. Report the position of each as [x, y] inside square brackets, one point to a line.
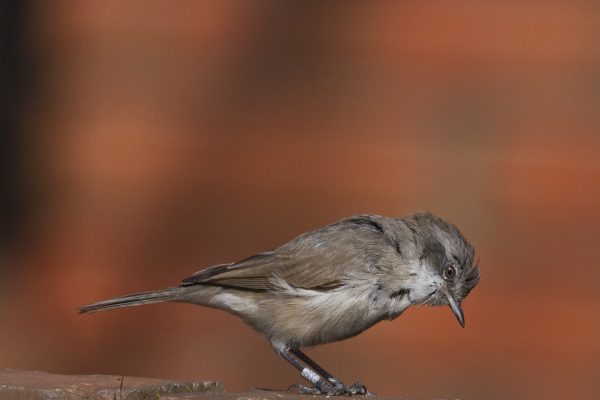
[444, 271]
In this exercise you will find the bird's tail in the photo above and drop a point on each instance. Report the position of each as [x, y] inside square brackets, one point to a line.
[135, 299]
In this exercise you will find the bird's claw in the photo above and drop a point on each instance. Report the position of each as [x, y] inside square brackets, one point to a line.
[333, 388]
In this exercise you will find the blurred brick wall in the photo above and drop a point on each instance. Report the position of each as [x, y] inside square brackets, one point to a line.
[169, 136]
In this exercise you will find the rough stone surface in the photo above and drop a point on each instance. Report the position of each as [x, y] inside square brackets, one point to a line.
[256, 394]
[33, 385]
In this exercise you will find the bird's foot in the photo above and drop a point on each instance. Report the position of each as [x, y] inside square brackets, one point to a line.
[333, 388]
[358, 388]
[303, 389]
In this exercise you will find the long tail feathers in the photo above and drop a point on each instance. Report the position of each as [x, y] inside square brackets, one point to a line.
[136, 299]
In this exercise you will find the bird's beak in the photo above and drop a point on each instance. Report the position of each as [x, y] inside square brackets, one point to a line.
[456, 309]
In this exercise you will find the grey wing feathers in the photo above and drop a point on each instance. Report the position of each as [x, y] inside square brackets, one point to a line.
[250, 273]
[315, 260]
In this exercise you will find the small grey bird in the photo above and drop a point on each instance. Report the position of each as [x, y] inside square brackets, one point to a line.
[331, 284]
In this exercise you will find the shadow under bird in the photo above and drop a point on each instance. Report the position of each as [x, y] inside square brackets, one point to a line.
[331, 284]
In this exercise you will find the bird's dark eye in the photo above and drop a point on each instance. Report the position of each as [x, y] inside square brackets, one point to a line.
[449, 272]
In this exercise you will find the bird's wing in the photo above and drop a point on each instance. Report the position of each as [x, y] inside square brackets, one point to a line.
[251, 273]
[315, 260]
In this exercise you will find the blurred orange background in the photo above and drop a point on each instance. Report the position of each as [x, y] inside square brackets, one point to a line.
[157, 138]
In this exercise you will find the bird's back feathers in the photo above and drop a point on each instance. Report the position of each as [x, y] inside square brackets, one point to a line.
[316, 260]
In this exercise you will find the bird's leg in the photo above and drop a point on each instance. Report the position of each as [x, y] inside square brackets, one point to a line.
[339, 386]
[316, 366]
[324, 382]
[321, 384]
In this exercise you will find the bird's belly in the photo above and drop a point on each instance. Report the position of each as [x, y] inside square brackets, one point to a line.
[314, 317]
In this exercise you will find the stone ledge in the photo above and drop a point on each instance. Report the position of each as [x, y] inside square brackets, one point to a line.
[253, 394]
[34, 385]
